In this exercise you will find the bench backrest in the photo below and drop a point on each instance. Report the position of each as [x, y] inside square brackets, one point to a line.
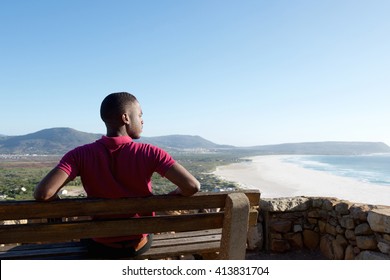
[74, 214]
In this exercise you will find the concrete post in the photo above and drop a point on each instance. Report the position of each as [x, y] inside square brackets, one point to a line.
[235, 227]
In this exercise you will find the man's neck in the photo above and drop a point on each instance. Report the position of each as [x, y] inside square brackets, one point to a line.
[121, 131]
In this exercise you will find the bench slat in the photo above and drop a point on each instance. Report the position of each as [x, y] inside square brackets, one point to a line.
[80, 252]
[174, 235]
[42, 252]
[199, 248]
[187, 240]
[174, 244]
[86, 207]
[35, 246]
[90, 207]
[87, 229]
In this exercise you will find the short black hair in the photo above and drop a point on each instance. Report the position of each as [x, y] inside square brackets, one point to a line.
[114, 105]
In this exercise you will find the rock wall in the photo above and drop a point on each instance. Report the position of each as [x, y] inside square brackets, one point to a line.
[338, 228]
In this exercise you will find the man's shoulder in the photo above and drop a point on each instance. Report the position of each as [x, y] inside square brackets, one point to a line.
[144, 145]
[138, 145]
[86, 147]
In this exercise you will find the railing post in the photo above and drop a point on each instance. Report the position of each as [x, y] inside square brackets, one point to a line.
[235, 227]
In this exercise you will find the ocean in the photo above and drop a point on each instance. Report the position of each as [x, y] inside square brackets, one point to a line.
[373, 168]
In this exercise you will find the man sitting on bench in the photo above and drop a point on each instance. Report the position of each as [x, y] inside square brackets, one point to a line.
[116, 167]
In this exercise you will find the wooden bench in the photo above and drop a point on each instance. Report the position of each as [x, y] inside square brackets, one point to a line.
[223, 233]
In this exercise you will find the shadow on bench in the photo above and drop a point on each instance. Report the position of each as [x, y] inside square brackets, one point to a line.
[208, 234]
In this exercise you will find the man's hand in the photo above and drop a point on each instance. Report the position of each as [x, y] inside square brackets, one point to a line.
[186, 183]
[48, 188]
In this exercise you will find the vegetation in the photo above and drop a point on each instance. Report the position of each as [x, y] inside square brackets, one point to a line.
[19, 176]
[201, 165]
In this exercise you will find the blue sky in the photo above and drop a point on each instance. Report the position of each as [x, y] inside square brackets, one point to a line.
[234, 72]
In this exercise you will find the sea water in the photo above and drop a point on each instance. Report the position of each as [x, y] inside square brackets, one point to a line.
[373, 168]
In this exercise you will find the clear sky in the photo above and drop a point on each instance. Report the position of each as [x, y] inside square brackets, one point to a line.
[234, 72]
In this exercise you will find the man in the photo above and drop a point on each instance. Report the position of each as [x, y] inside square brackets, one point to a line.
[115, 167]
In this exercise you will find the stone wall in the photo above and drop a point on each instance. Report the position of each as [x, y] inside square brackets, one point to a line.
[337, 228]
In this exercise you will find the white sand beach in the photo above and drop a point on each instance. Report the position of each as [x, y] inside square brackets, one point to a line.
[276, 178]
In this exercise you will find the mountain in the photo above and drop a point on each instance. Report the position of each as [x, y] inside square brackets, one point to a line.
[324, 148]
[182, 142]
[60, 140]
[47, 141]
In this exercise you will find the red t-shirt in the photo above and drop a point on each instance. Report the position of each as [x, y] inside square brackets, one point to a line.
[116, 167]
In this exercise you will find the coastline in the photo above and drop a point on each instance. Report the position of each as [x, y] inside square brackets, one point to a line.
[276, 178]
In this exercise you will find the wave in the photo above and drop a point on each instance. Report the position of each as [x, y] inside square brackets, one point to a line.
[365, 168]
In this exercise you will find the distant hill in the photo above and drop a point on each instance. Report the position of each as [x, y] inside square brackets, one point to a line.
[47, 141]
[324, 148]
[60, 140]
[182, 142]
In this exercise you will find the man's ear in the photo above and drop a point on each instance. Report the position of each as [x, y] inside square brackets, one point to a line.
[125, 118]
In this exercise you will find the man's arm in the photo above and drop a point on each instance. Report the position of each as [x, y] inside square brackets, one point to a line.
[47, 189]
[186, 183]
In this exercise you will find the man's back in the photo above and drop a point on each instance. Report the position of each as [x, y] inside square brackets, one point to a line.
[115, 167]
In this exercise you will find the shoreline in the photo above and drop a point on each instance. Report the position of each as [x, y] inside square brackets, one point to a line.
[276, 178]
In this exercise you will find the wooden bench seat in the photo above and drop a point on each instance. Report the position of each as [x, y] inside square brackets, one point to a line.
[194, 232]
[164, 245]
